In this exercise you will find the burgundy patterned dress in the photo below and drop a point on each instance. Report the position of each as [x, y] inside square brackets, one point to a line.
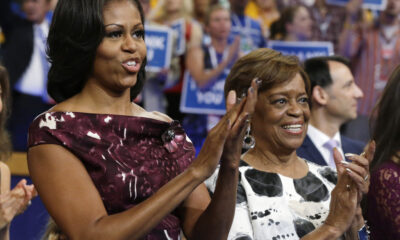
[128, 158]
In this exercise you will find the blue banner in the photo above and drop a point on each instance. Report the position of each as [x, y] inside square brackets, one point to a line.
[159, 45]
[179, 29]
[370, 4]
[304, 49]
[207, 100]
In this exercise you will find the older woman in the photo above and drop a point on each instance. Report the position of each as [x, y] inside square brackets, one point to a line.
[282, 196]
[383, 211]
[106, 168]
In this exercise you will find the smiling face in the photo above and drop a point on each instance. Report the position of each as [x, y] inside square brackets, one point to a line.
[122, 50]
[281, 116]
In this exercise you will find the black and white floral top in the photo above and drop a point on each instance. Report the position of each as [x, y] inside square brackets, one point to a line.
[273, 206]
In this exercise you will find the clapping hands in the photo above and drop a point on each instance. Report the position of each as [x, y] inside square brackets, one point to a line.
[353, 182]
[15, 202]
[224, 141]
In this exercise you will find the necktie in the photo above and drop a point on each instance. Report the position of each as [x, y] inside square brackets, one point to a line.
[330, 144]
[44, 62]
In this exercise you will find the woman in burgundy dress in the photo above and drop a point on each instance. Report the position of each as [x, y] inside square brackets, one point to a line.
[383, 211]
[104, 167]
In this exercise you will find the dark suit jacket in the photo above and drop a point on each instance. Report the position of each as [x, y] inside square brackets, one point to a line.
[18, 48]
[310, 152]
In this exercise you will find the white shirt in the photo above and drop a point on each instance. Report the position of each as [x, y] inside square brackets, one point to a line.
[32, 80]
[319, 139]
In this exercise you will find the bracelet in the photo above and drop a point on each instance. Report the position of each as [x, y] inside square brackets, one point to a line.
[363, 233]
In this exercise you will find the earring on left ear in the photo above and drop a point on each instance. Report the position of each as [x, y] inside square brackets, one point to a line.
[248, 141]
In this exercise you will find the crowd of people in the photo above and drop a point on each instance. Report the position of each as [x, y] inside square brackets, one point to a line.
[292, 157]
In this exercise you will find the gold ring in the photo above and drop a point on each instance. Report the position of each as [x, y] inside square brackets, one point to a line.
[362, 154]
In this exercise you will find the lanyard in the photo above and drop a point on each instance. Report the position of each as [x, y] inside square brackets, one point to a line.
[213, 56]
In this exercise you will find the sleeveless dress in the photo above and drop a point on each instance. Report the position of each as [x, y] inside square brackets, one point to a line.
[128, 158]
[271, 206]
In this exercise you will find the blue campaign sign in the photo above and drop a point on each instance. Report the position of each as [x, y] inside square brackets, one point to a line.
[159, 46]
[303, 50]
[207, 100]
[179, 28]
[370, 4]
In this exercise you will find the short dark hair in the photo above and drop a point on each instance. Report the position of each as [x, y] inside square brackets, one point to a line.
[317, 70]
[270, 66]
[386, 122]
[75, 33]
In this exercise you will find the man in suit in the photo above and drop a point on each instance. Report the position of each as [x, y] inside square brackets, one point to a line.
[24, 57]
[333, 102]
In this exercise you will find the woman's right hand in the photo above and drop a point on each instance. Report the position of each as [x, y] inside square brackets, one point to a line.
[232, 124]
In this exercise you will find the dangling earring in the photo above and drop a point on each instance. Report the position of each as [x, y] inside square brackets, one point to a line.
[248, 140]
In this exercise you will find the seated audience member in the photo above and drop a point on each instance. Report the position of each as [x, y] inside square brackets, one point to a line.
[104, 167]
[383, 212]
[334, 96]
[295, 24]
[25, 60]
[280, 195]
[249, 30]
[217, 58]
[15, 201]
